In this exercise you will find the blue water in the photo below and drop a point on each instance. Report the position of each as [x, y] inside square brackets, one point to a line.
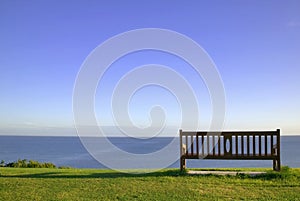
[68, 151]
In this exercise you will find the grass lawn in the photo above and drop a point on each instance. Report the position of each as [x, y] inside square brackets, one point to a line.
[92, 184]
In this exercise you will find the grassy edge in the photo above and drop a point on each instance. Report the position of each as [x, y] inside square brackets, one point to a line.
[285, 173]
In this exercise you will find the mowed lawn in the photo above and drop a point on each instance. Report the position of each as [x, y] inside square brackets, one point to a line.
[93, 184]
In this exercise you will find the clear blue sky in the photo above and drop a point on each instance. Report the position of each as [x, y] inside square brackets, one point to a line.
[254, 44]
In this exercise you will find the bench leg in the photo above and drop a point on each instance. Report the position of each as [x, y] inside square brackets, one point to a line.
[182, 163]
[276, 165]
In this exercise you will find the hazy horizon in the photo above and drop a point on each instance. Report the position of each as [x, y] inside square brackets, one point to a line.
[110, 132]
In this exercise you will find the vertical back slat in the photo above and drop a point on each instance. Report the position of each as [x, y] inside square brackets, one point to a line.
[259, 145]
[219, 145]
[266, 144]
[197, 144]
[224, 144]
[213, 144]
[242, 144]
[202, 141]
[207, 143]
[231, 143]
[253, 144]
[236, 144]
[192, 144]
[248, 145]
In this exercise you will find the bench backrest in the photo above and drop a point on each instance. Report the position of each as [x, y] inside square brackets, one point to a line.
[230, 144]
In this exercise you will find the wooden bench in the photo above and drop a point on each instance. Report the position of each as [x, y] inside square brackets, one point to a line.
[235, 145]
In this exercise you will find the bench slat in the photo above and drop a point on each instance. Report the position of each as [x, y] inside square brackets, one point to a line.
[237, 144]
[259, 145]
[242, 142]
[248, 145]
[219, 145]
[202, 142]
[213, 144]
[192, 145]
[253, 140]
[207, 144]
[266, 144]
[197, 144]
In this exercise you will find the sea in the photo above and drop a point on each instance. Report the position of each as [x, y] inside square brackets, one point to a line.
[70, 151]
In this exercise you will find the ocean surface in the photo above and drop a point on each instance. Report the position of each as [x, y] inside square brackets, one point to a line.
[69, 151]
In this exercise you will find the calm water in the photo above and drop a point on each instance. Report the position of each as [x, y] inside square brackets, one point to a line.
[68, 151]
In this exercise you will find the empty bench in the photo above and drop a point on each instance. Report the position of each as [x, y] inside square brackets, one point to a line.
[233, 145]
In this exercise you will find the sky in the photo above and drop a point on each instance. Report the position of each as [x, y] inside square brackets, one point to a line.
[255, 46]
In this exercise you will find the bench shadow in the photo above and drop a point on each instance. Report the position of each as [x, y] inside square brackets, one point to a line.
[56, 175]
[269, 175]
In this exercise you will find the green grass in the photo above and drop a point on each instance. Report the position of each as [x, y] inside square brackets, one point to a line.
[91, 184]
